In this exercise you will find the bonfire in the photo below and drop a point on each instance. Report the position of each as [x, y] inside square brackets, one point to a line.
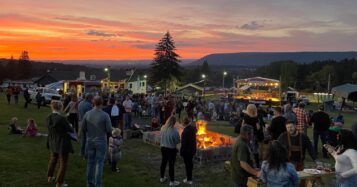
[207, 139]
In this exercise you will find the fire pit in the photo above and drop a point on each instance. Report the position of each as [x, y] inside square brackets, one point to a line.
[211, 146]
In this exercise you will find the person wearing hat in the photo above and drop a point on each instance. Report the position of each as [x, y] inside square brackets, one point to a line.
[321, 122]
[277, 125]
[296, 144]
[115, 142]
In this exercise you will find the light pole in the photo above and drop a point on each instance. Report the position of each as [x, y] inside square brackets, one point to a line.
[224, 75]
[145, 77]
[204, 84]
[107, 69]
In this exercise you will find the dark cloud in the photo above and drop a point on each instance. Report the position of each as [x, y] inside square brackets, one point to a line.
[233, 42]
[145, 46]
[254, 25]
[101, 33]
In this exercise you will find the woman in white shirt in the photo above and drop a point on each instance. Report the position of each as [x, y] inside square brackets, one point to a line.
[345, 155]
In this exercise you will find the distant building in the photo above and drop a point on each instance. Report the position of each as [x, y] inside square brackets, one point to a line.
[17, 83]
[138, 85]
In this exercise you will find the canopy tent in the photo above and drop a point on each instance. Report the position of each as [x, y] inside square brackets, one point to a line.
[346, 91]
[190, 89]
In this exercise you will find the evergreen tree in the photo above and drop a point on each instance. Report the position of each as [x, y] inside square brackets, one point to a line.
[24, 66]
[205, 68]
[165, 69]
[11, 69]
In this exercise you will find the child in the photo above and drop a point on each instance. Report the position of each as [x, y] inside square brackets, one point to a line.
[31, 128]
[115, 142]
[155, 123]
[14, 129]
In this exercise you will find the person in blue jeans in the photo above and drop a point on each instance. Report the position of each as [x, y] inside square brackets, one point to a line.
[128, 105]
[276, 171]
[96, 125]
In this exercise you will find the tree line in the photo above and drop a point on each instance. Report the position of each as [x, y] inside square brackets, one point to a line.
[15, 69]
[311, 76]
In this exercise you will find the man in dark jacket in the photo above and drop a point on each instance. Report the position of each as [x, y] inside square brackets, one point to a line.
[26, 97]
[321, 122]
[188, 148]
[277, 125]
[113, 111]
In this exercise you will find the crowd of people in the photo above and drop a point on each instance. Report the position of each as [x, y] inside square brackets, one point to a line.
[273, 151]
[100, 127]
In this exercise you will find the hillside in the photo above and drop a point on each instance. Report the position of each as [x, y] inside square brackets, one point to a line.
[262, 58]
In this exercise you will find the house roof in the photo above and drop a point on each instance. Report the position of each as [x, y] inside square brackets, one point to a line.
[190, 85]
[348, 91]
[257, 80]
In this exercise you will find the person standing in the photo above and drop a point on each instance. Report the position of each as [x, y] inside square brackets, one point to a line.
[16, 94]
[251, 118]
[276, 170]
[72, 112]
[39, 99]
[289, 115]
[345, 155]
[242, 160]
[26, 97]
[59, 143]
[321, 122]
[277, 125]
[8, 94]
[188, 148]
[113, 111]
[302, 118]
[169, 138]
[128, 105]
[83, 107]
[96, 126]
[296, 143]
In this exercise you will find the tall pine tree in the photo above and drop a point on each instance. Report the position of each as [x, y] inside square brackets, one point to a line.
[165, 69]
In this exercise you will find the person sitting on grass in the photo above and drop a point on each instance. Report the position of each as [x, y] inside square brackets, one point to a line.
[14, 128]
[115, 142]
[155, 123]
[31, 129]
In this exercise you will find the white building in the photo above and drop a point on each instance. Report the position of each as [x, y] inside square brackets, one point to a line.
[138, 85]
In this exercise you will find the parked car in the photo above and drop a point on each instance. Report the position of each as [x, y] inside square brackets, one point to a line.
[47, 95]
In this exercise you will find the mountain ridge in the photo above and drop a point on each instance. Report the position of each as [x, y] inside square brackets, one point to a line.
[265, 58]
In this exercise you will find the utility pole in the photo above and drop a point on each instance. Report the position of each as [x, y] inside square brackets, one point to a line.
[329, 83]
[224, 75]
[281, 101]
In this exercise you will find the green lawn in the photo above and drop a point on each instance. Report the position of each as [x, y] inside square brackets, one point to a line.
[23, 161]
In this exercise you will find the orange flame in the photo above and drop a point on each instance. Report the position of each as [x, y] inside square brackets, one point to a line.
[209, 139]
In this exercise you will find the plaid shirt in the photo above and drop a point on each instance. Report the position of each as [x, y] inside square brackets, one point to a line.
[302, 119]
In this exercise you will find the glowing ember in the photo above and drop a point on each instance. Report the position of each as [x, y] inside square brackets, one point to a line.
[209, 139]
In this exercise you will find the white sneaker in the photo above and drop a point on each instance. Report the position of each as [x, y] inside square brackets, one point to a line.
[174, 183]
[185, 181]
[162, 180]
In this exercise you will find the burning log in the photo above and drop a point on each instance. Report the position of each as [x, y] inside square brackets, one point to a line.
[210, 145]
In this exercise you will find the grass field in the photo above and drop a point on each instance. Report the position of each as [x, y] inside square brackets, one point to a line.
[23, 161]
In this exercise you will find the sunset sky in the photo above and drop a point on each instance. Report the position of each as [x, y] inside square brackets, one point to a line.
[129, 30]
